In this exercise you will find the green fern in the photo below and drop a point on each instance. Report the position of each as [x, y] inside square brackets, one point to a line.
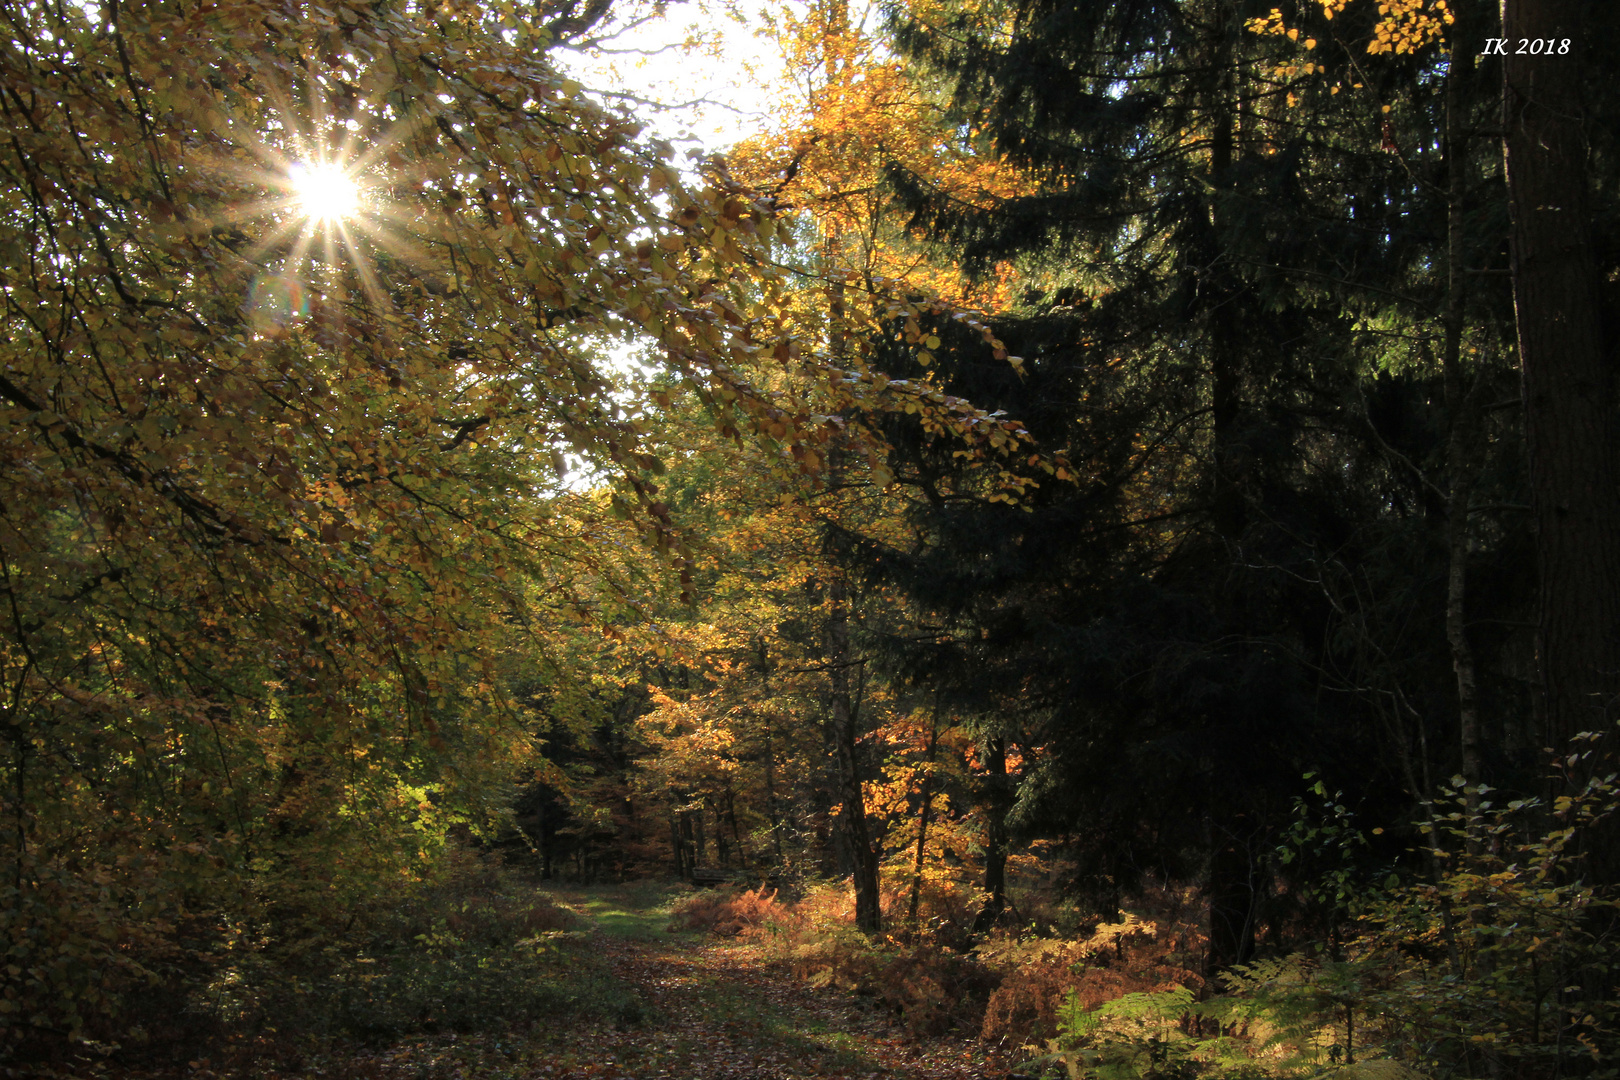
[1298, 1004]
[1140, 1035]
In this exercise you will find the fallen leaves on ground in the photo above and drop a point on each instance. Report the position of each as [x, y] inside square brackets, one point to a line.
[721, 1010]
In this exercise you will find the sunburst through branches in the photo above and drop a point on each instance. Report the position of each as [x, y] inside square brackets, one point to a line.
[326, 192]
[328, 216]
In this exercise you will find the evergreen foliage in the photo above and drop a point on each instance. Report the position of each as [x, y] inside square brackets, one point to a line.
[1239, 336]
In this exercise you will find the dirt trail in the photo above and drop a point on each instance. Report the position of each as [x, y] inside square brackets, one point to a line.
[718, 1009]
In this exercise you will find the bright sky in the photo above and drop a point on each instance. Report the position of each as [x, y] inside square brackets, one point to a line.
[707, 59]
[708, 63]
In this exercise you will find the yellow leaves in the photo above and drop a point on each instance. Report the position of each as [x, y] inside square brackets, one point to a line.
[1271, 23]
[349, 415]
[1406, 26]
[356, 493]
[1403, 26]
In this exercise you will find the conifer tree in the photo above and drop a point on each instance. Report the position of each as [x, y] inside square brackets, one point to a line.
[1213, 199]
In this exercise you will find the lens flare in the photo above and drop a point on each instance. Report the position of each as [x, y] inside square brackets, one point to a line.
[276, 302]
[325, 192]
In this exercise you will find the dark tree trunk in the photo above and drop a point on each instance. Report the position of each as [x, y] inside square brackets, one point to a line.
[924, 815]
[736, 830]
[773, 811]
[997, 801]
[863, 855]
[1462, 450]
[1569, 392]
[722, 850]
[683, 845]
[1230, 885]
[1234, 893]
[1216, 294]
[542, 837]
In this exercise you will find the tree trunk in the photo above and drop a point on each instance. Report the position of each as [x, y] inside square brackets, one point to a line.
[1230, 885]
[863, 855]
[1572, 442]
[722, 851]
[996, 804]
[689, 850]
[773, 812]
[923, 817]
[1569, 395]
[1216, 295]
[1462, 451]
[736, 830]
[543, 842]
[1233, 893]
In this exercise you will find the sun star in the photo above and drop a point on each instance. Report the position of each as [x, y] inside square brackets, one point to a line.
[325, 192]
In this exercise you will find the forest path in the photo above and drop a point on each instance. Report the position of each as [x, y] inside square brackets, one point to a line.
[721, 1010]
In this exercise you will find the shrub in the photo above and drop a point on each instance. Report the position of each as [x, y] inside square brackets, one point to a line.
[1502, 963]
[476, 946]
[1128, 957]
[1505, 963]
[934, 991]
[728, 912]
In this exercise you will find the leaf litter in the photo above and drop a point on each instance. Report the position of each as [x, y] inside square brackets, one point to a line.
[722, 1009]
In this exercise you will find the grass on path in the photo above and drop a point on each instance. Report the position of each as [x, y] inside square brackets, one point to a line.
[720, 1009]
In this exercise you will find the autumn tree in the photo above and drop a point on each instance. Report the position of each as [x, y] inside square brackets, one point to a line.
[852, 105]
[305, 315]
[738, 742]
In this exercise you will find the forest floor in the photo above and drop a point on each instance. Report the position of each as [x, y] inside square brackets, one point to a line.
[674, 1006]
[720, 1008]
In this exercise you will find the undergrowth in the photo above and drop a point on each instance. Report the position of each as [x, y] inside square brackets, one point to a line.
[1498, 961]
[473, 948]
[1007, 989]
[478, 948]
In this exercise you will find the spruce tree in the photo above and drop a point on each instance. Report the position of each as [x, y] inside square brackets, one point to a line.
[1251, 566]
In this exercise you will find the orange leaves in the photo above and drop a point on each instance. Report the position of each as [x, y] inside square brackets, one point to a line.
[860, 111]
